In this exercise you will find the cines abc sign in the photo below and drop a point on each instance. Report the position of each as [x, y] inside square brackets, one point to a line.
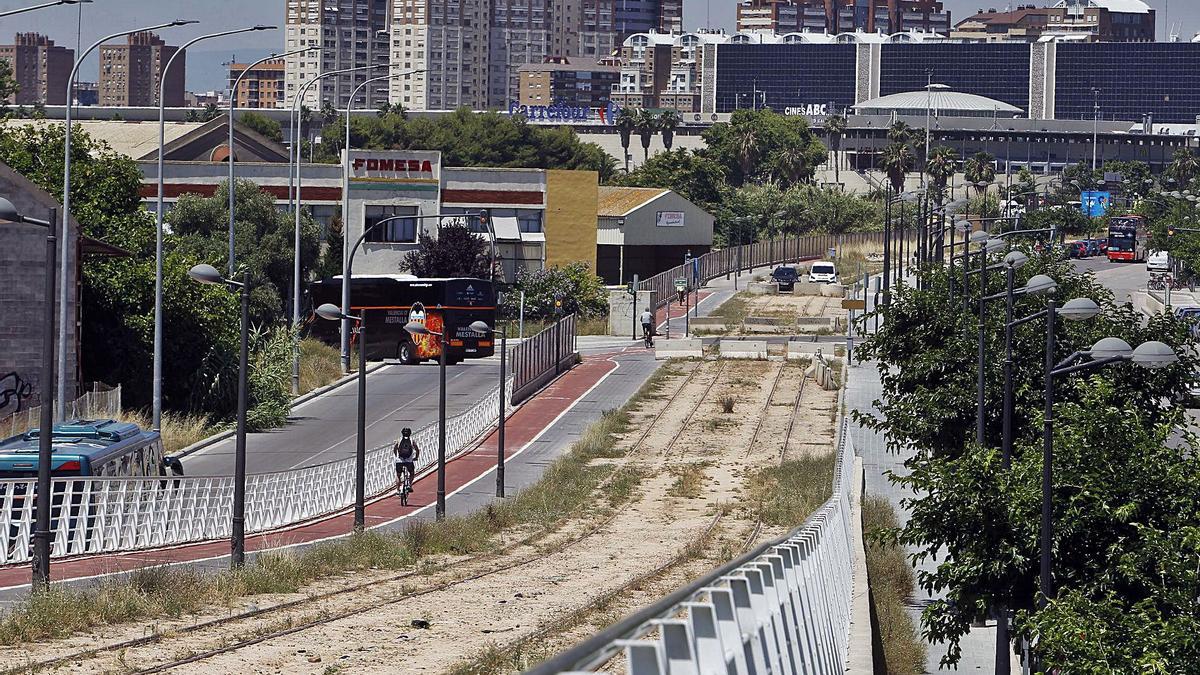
[811, 109]
[561, 111]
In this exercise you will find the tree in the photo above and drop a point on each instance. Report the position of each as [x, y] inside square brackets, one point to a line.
[835, 130]
[626, 122]
[1184, 167]
[746, 138]
[8, 84]
[942, 164]
[668, 121]
[580, 291]
[898, 160]
[692, 175]
[647, 124]
[900, 132]
[980, 169]
[455, 252]
[791, 165]
[263, 125]
[751, 145]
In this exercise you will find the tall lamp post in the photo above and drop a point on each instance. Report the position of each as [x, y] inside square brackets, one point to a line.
[44, 5]
[156, 406]
[41, 529]
[232, 156]
[64, 253]
[1152, 354]
[207, 274]
[332, 313]
[416, 328]
[481, 327]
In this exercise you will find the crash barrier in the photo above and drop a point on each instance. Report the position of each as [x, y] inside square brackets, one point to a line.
[781, 609]
[107, 515]
[543, 357]
[748, 256]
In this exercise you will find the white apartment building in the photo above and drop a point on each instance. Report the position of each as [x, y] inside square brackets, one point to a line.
[350, 34]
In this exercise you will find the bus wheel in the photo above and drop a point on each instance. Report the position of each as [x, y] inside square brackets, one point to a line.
[407, 353]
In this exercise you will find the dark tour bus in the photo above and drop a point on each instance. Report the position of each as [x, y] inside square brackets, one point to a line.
[389, 302]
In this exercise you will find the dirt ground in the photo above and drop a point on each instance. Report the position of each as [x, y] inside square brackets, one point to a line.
[684, 518]
[786, 304]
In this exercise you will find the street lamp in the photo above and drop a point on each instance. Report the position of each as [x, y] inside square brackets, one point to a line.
[207, 274]
[232, 158]
[332, 313]
[481, 327]
[156, 405]
[55, 3]
[986, 246]
[41, 530]
[65, 251]
[1151, 355]
[417, 328]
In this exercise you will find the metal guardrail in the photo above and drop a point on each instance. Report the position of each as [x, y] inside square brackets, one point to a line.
[781, 609]
[748, 256]
[541, 358]
[107, 515]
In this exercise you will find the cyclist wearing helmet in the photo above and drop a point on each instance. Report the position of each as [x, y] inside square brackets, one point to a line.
[406, 453]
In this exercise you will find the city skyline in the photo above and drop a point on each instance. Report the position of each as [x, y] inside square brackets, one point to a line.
[206, 72]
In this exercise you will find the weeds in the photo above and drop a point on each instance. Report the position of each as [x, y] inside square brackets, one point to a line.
[891, 584]
[320, 365]
[689, 480]
[727, 404]
[178, 430]
[734, 310]
[784, 495]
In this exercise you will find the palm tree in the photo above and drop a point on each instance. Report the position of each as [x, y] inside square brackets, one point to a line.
[980, 169]
[791, 166]
[668, 121]
[647, 124]
[940, 167]
[1183, 168]
[625, 122]
[745, 142]
[899, 132]
[898, 160]
[835, 129]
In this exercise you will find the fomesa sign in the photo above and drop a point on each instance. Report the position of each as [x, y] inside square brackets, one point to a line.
[386, 165]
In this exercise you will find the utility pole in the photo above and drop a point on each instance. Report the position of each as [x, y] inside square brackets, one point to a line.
[1095, 125]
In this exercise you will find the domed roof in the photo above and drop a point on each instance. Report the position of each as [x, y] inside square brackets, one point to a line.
[942, 101]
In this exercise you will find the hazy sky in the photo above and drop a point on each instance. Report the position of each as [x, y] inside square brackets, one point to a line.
[204, 62]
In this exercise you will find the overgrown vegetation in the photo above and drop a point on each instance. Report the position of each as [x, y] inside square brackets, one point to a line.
[891, 588]
[784, 495]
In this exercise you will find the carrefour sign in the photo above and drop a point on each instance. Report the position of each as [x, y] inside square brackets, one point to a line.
[561, 112]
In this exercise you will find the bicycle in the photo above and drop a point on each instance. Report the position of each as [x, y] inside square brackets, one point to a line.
[648, 336]
[1157, 282]
[405, 488]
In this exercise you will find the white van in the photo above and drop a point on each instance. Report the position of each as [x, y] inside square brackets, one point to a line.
[1158, 261]
[823, 273]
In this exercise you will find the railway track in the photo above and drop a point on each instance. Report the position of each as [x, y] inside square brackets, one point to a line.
[374, 586]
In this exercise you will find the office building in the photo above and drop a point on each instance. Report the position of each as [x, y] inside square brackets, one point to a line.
[130, 74]
[842, 16]
[262, 86]
[348, 34]
[575, 81]
[40, 69]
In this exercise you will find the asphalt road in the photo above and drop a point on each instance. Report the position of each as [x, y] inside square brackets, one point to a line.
[1120, 277]
[323, 429]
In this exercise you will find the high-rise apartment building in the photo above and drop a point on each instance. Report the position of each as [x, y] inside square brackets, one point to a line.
[349, 34]
[842, 16]
[130, 73]
[40, 69]
[261, 87]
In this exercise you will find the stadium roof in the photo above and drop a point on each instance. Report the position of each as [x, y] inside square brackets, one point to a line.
[942, 102]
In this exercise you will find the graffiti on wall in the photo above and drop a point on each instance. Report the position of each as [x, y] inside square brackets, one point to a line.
[14, 391]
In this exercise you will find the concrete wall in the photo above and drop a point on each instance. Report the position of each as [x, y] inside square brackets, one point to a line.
[572, 201]
[22, 301]
[621, 315]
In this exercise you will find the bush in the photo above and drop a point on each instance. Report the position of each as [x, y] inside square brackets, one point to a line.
[891, 583]
[581, 292]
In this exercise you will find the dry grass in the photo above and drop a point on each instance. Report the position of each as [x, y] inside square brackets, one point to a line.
[891, 583]
[179, 430]
[734, 310]
[689, 479]
[320, 364]
[784, 495]
[727, 404]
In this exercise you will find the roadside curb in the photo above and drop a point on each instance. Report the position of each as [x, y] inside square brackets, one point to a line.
[303, 398]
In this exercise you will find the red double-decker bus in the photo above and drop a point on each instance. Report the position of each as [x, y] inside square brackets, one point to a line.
[1127, 236]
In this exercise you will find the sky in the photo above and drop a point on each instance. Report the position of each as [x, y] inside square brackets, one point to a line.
[205, 71]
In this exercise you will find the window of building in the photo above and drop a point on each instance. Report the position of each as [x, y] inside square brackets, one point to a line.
[398, 231]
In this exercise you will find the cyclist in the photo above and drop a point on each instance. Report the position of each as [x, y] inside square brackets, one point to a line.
[647, 329]
[406, 453]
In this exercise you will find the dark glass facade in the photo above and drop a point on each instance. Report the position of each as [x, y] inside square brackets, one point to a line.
[785, 75]
[999, 71]
[1133, 78]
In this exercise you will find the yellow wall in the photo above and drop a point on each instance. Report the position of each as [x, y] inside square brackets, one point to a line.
[572, 201]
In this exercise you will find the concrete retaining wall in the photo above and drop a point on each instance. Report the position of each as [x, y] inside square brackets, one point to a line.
[744, 349]
[621, 319]
[688, 348]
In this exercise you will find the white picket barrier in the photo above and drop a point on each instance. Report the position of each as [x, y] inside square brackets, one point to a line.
[781, 609]
[106, 515]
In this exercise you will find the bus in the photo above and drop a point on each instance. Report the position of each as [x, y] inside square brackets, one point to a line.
[88, 448]
[389, 302]
[1127, 236]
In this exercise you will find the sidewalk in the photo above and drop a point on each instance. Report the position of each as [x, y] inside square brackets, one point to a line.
[538, 432]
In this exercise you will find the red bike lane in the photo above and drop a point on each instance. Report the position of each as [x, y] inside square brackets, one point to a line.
[523, 427]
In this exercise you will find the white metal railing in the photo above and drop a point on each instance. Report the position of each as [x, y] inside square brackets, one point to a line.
[105, 515]
[95, 404]
[782, 609]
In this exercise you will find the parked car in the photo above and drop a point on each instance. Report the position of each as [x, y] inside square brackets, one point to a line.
[1158, 261]
[786, 276]
[1078, 249]
[823, 273]
[1093, 247]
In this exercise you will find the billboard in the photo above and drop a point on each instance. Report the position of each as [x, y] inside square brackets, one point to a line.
[670, 219]
[1094, 203]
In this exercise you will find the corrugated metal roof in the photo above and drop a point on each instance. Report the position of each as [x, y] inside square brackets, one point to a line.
[132, 139]
[615, 202]
[941, 101]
